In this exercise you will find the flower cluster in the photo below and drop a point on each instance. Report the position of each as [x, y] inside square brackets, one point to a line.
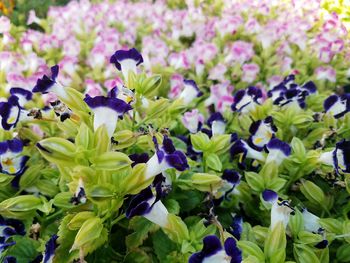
[175, 132]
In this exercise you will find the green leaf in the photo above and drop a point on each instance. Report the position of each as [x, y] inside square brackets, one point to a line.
[200, 141]
[57, 150]
[89, 231]
[213, 162]
[255, 181]
[251, 249]
[142, 227]
[305, 254]
[162, 245]
[312, 192]
[25, 249]
[275, 244]
[343, 253]
[111, 161]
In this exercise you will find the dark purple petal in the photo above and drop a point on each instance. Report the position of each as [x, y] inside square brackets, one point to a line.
[217, 116]
[50, 248]
[168, 145]
[254, 127]
[269, 195]
[177, 160]
[321, 245]
[10, 259]
[139, 203]
[231, 176]
[310, 87]
[232, 250]
[54, 72]
[211, 245]
[237, 98]
[276, 144]
[138, 158]
[236, 227]
[25, 93]
[15, 145]
[121, 55]
[3, 147]
[115, 104]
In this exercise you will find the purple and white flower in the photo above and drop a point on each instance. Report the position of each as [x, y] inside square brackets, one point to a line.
[106, 111]
[246, 100]
[50, 84]
[190, 91]
[8, 228]
[150, 206]
[193, 120]
[336, 105]
[339, 158]
[244, 151]
[236, 227]
[213, 252]
[217, 124]
[50, 248]
[230, 179]
[262, 131]
[122, 93]
[278, 151]
[12, 161]
[312, 224]
[79, 195]
[165, 157]
[326, 73]
[10, 113]
[126, 60]
[23, 95]
[281, 209]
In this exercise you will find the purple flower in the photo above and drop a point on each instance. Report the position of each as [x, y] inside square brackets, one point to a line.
[262, 131]
[193, 120]
[339, 158]
[190, 92]
[11, 160]
[79, 195]
[148, 205]
[106, 111]
[126, 60]
[9, 227]
[278, 151]
[281, 209]
[246, 100]
[217, 123]
[213, 252]
[337, 106]
[236, 227]
[244, 151]
[165, 157]
[50, 248]
[23, 95]
[49, 84]
[10, 113]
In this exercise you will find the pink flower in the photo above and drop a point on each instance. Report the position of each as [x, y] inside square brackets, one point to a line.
[241, 52]
[111, 83]
[32, 18]
[179, 60]
[218, 72]
[252, 26]
[5, 24]
[92, 88]
[220, 96]
[250, 72]
[193, 120]
[274, 81]
[326, 55]
[229, 24]
[176, 86]
[325, 73]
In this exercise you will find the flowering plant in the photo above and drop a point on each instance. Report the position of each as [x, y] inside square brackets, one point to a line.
[143, 132]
